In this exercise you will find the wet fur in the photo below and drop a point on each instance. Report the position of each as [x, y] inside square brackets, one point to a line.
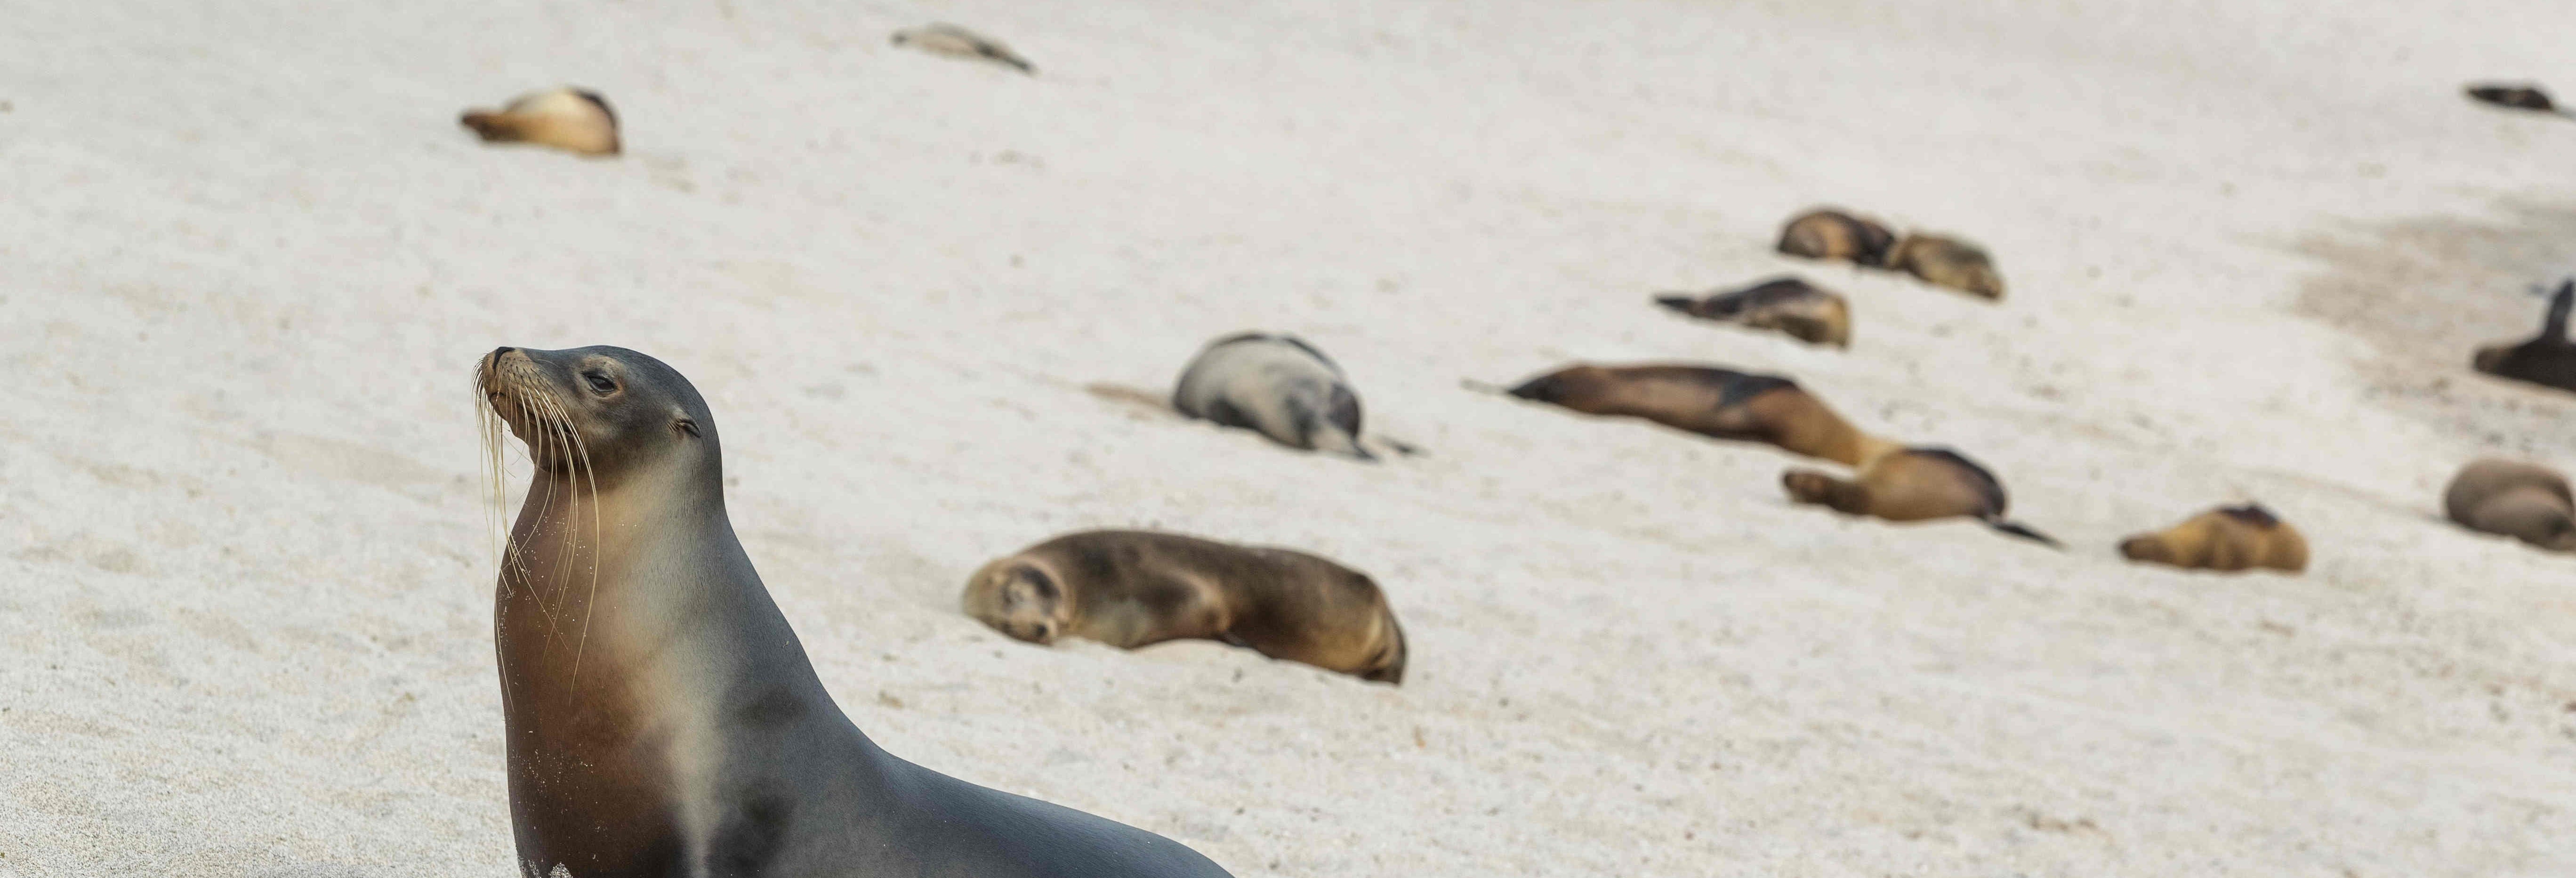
[2526, 501]
[1788, 305]
[1711, 401]
[2547, 359]
[1275, 385]
[1914, 484]
[2226, 539]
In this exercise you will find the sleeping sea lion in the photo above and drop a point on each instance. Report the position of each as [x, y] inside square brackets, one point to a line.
[1913, 484]
[957, 42]
[1804, 311]
[1134, 588]
[2547, 359]
[1710, 401]
[660, 716]
[566, 118]
[2228, 538]
[2518, 96]
[1276, 385]
[2525, 501]
[1947, 262]
[1827, 233]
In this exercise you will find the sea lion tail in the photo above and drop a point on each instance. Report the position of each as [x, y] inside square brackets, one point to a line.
[2023, 531]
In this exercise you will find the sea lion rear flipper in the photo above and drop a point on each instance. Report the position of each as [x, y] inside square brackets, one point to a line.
[2023, 531]
[1679, 302]
[2554, 326]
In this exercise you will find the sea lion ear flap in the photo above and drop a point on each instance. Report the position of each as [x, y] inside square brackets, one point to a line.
[2555, 325]
[687, 425]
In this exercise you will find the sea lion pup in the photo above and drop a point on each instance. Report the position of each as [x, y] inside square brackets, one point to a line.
[2547, 359]
[2228, 538]
[1947, 262]
[2518, 96]
[1804, 311]
[1827, 233]
[1276, 385]
[1913, 484]
[2525, 501]
[1710, 401]
[661, 717]
[1135, 588]
[568, 119]
[957, 42]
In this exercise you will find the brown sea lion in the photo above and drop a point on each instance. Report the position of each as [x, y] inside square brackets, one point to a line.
[2525, 501]
[2518, 96]
[2228, 538]
[568, 119]
[1913, 484]
[2547, 359]
[1947, 262]
[1134, 588]
[660, 716]
[957, 42]
[1711, 401]
[1828, 233]
[1804, 311]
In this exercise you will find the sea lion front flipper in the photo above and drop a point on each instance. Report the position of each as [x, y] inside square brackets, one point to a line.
[2023, 531]
[1679, 302]
[2554, 326]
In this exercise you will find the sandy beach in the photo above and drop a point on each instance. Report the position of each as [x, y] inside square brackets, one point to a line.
[248, 261]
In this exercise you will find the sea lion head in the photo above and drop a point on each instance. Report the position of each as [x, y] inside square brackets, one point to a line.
[1020, 599]
[599, 413]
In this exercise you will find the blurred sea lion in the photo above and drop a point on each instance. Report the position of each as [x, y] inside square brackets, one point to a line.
[957, 42]
[2547, 359]
[2525, 501]
[1789, 305]
[569, 119]
[1135, 588]
[1276, 385]
[1711, 401]
[1947, 262]
[1913, 484]
[1829, 233]
[2518, 96]
[2228, 538]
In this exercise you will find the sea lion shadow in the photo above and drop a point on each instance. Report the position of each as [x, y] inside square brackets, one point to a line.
[1145, 404]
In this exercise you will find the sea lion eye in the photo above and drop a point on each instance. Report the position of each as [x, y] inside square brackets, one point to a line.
[599, 383]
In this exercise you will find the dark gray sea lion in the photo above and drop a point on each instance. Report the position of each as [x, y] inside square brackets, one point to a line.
[2547, 359]
[1944, 261]
[2227, 538]
[661, 717]
[1276, 385]
[1790, 305]
[1827, 233]
[2517, 96]
[1711, 401]
[2525, 501]
[1134, 588]
[1913, 484]
[569, 119]
[957, 42]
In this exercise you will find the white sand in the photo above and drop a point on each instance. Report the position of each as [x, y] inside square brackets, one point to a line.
[247, 260]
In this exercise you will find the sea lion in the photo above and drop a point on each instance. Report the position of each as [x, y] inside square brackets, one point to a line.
[1913, 484]
[2547, 359]
[1135, 588]
[661, 716]
[2228, 538]
[2525, 501]
[1276, 385]
[1947, 262]
[2518, 96]
[1711, 401]
[1827, 233]
[567, 118]
[1804, 311]
[957, 42]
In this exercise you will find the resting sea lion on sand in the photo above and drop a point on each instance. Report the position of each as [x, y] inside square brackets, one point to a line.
[1947, 262]
[1913, 484]
[568, 119]
[1134, 588]
[1827, 233]
[2518, 96]
[661, 717]
[1711, 401]
[1804, 311]
[2547, 359]
[957, 42]
[1276, 385]
[2525, 501]
[2227, 538]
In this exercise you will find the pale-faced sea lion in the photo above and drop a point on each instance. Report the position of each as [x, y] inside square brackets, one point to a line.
[957, 42]
[1711, 401]
[1134, 588]
[568, 119]
[1827, 233]
[662, 718]
[2547, 359]
[1947, 262]
[1804, 311]
[1276, 385]
[2227, 538]
[2525, 501]
[1913, 484]
[2518, 96]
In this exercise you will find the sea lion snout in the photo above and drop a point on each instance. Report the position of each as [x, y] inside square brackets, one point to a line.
[2142, 548]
